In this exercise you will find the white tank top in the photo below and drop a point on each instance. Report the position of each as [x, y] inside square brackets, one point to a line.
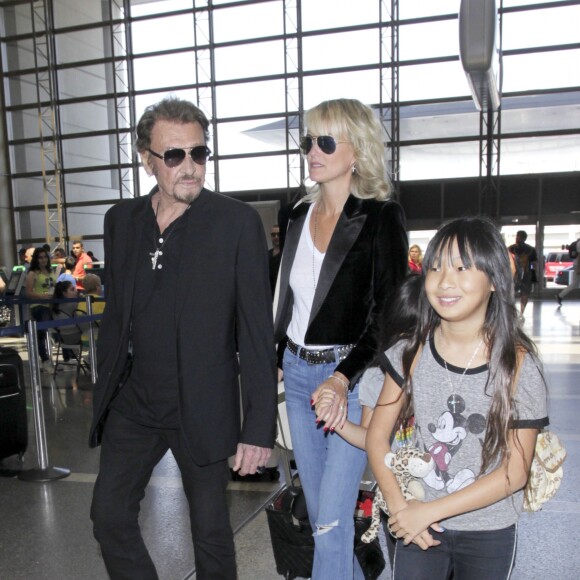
[303, 280]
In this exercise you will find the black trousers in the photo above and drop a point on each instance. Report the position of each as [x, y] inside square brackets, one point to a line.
[129, 453]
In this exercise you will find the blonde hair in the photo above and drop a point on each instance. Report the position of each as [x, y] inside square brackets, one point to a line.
[349, 119]
[416, 247]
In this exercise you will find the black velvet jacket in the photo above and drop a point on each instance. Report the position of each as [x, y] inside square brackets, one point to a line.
[365, 262]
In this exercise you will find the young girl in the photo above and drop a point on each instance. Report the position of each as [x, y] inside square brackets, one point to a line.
[478, 397]
[69, 334]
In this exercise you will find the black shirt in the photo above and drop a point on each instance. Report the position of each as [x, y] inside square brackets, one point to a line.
[150, 396]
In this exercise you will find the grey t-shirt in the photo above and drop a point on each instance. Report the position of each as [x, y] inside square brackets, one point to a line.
[450, 422]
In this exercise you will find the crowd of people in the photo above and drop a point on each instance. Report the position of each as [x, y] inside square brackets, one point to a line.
[366, 334]
[56, 280]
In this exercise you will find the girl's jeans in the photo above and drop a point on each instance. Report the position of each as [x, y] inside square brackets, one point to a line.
[330, 470]
[485, 555]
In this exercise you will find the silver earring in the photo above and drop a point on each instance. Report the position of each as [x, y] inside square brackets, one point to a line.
[353, 169]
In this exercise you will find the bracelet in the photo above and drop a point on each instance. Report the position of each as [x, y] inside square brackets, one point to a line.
[341, 381]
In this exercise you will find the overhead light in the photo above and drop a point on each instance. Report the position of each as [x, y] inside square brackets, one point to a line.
[479, 51]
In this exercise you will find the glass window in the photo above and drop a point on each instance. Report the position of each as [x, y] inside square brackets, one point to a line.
[28, 191]
[87, 116]
[88, 44]
[551, 26]
[23, 124]
[421, 8]
[442, 40]
[254, 173]
[255, 98]
[438, 121]
[325, 14]
[17, 20]
[540, 155]
[162, 34]
[73, 12]
[252, 21]
[432, 81]
[168, 70]
[249, 60]
[85, 81]
[544, 70]
[92, 186]
[21, 89]
[541, 117]
[19, 55]
[89, 151]
[440, 160]
[336, 50]
[139, 8]
[86, 221]
[251, 136]
[361, 85]
[26, 158]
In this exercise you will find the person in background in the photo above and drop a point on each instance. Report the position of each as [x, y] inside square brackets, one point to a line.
[187, 334]
[574, 275]
[28, 252]
[82, 260]
[344, 256]
[274, 256]
[67, 273]
[69, 334]
[92, 256]
[40, 283]
[526, 261]
[415, 259]
[478, 398]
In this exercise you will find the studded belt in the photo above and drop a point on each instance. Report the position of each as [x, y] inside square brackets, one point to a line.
[319, 357]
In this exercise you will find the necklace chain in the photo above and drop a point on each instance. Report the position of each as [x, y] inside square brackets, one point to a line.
[456, 389]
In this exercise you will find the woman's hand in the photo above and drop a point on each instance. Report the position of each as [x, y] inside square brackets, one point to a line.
[411, 525]
[334, 409]
[280, 374]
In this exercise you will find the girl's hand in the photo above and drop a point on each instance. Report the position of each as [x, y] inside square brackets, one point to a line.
[280, 374]
[324, 400]
[414, 521]
[334, 415]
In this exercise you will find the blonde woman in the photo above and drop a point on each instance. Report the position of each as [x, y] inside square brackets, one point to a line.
[415, 259]
[345, 253]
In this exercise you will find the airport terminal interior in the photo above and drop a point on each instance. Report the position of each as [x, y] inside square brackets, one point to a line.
[477, 120]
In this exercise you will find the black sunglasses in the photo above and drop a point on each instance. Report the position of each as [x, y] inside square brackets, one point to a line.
[326, 144]
[174, 157]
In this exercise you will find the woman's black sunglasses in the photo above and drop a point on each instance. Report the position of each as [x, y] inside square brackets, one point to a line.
[326, 144]
[174, 157]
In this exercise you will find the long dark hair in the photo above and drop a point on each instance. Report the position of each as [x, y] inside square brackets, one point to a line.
[480, 245]
[60, 289]
[34, 263]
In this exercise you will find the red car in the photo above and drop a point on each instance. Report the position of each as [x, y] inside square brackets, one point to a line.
[556, 261]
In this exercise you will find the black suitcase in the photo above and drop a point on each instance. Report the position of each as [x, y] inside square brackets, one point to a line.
[293, 544]
[13, 418]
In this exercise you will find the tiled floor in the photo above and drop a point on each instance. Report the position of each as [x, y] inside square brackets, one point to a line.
[45, 531]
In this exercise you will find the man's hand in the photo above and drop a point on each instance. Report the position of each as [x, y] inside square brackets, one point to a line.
[250, 457]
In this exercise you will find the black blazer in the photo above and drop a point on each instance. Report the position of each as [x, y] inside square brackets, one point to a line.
[223, 298]
[365, 262]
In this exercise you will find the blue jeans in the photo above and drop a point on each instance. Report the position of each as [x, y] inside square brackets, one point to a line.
[330, 471]
[485, 555]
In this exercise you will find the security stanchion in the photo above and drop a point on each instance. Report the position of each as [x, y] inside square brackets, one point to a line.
[45, 472]
[92, 341]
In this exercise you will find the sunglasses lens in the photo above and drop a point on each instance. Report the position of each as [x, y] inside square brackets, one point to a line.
[327, 144]
[200, 154]
[306, 144]
[174, 157]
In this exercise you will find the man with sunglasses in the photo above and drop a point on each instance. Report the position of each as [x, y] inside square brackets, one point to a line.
[188, 322]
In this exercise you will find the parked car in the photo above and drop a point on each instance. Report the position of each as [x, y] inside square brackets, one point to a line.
[564, 276]
[556, 261]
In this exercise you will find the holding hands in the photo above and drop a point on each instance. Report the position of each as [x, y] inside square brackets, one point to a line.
[411, 524]
[330, 401]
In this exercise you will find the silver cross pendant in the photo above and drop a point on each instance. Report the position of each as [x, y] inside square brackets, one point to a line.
[154, 257]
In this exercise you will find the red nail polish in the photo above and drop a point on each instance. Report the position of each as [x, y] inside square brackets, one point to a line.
[311, 402]
[326, 429]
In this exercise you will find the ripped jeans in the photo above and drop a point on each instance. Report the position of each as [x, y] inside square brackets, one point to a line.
[330, 471]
